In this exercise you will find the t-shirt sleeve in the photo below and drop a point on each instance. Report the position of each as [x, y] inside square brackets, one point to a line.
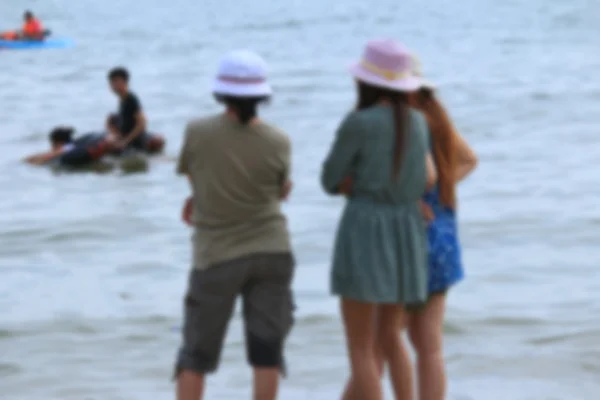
[134, 105]
[183, 160]
[343, 152]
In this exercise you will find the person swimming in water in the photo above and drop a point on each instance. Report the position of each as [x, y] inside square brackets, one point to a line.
[70, 152]
[89, 147]
[32, 29]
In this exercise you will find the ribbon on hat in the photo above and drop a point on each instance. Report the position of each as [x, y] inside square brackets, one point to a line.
[384, 73]
[233, 79]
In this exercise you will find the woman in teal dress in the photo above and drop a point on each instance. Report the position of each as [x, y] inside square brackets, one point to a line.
[380, 254]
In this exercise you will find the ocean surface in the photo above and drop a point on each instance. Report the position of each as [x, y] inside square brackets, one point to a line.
[93, 267]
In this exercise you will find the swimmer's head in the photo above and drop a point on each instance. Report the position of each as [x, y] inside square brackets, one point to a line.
[60, 136]
[28, 16]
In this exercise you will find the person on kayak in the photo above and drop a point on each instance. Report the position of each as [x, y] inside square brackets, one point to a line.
[72, 152]
[132, 121]
[32, 29]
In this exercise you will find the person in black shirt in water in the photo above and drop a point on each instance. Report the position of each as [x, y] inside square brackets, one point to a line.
[152, 143]
[132, 121]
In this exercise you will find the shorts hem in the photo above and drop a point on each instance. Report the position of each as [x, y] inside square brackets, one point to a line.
[197, 368]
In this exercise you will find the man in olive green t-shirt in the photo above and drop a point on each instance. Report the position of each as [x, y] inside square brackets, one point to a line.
[237, 173]
[239, 170]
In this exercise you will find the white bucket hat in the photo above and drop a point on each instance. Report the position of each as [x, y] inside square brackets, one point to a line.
[242, 73]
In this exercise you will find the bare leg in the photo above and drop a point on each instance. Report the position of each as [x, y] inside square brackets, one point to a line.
[266, 383]
[392, 321]
[359, 324]
[350, 389]
[190, 386]
[426, 334]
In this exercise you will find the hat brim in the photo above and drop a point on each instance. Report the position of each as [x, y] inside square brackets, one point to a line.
[241, 89]
[407, 84]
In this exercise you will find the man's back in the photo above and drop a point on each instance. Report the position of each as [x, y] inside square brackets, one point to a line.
[237, 173]
[129, 106]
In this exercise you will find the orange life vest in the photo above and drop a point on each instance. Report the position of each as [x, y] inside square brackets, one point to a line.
[33, 28]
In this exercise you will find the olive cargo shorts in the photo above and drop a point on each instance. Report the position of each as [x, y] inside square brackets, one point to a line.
[264, 282]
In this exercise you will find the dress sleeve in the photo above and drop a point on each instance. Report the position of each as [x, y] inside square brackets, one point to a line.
[346, 146]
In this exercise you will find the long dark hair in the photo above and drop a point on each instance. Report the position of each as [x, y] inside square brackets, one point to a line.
[369, 96]
[246, 108]
[444, 138]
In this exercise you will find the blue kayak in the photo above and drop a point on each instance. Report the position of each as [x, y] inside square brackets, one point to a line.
[34, 44]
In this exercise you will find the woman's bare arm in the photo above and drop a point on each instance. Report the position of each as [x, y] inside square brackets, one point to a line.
[431, 171]
[466, 158]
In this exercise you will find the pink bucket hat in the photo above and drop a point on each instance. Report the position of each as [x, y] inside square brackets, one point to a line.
[388, 65]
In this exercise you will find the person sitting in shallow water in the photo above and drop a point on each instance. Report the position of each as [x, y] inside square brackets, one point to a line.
[149, 143]
[71, 152]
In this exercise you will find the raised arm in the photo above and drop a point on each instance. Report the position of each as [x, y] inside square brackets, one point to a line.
[343, 152]
[432, 175]
[466, 158]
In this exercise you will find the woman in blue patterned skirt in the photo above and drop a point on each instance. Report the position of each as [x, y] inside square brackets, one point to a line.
[454, 160]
